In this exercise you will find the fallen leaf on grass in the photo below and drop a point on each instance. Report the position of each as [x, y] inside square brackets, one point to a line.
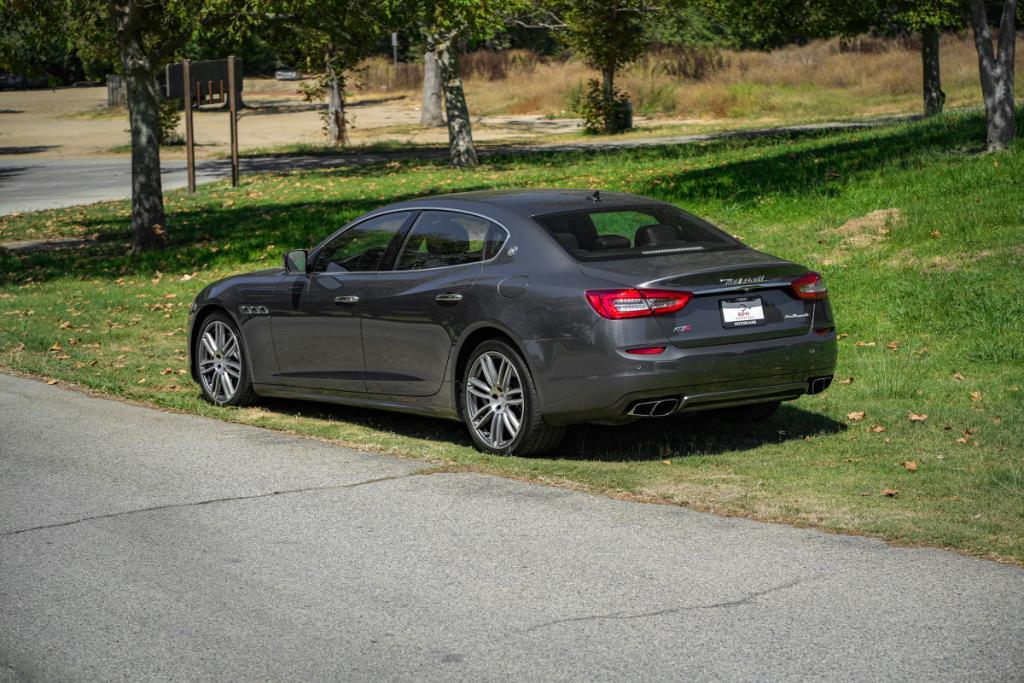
[877, 429]
[889, 492]
[958, 377]
[865, 493]
[848, 380]
[910, 465]
[976, 395]
[56, 347]
[64, 325]
[935, 234]
[666, 462]
[842, 335]
[856, 416]
[917, 417]
[893, 345]
[863, 343]
[51, 381]
[995, 420]
[167, 371]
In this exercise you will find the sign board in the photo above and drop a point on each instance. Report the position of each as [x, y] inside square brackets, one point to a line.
[209, 80]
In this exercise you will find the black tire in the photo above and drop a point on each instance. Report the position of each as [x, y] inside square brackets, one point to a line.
[243, 393]
[755, 412]
[534, 436]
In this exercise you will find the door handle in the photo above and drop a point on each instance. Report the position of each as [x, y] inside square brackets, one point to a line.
[448, 298]
[347, 300]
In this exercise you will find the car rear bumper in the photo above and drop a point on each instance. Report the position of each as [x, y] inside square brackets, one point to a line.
[585, 384]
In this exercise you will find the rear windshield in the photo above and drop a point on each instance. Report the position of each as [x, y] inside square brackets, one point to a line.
[618, 233]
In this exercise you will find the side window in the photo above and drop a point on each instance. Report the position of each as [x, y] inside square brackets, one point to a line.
[360, 248]
[446, 238]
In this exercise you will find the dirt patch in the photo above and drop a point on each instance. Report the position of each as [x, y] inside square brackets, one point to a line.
[870, 228]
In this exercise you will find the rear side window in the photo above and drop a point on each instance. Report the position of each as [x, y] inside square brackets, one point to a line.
[633, 232]
[446, 238]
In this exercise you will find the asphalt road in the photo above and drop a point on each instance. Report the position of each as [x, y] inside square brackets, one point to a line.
[136, 545]
[31, 183]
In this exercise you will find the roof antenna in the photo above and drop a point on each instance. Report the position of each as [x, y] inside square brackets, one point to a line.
[596, 197]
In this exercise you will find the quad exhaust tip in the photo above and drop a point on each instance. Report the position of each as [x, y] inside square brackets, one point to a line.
[818, 384]
[659, 408]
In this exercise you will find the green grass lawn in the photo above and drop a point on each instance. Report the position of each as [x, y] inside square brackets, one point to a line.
[926, 294]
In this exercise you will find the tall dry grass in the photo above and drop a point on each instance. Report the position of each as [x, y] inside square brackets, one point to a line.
[824, 79]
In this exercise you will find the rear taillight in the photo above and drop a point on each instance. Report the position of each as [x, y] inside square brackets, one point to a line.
[810, 286]
[616, 304]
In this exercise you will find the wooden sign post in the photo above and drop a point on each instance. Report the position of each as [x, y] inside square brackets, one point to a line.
[190, 155]
[233, 109]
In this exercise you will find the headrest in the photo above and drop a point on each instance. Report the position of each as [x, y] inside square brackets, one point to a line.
[579, 225]
[650, 235]
[567, 240]
[446, 237]
[611, 242]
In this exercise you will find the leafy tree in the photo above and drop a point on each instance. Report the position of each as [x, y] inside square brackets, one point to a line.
[608, 34]
[446, 27]
[332, 34]
[996, 69]
[140, 36]
[930, 18]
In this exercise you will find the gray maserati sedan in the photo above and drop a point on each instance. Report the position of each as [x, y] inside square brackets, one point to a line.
[518, 313]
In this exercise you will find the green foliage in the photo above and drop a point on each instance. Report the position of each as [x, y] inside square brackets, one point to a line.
[603, 112]
[608, 34]
[170, 116]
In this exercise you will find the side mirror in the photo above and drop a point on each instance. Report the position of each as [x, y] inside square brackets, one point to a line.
[295, 261]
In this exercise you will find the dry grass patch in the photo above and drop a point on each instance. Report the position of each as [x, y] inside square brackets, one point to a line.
[822, 80]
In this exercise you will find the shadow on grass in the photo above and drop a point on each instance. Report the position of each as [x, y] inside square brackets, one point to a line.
[810, 163]
[202, 237]
[684, 435]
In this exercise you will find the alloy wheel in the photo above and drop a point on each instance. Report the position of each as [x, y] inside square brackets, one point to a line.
[220, 361]
[494, 399]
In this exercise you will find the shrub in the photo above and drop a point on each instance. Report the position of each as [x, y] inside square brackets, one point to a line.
[170, 116]
[604, 113]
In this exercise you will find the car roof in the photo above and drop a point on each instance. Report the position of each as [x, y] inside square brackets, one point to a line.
[536, 202]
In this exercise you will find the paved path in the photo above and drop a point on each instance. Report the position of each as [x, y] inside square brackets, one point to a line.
[30, 183]
[137, 545]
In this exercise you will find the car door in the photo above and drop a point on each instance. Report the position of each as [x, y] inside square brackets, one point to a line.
[316, 318]
[412, 314]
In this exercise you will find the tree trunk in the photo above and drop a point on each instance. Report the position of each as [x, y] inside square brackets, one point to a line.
[460, 136]
[337, 130]
[608, 82]
[996, 70]
[430, 115]
[934, 98]
[148, 218]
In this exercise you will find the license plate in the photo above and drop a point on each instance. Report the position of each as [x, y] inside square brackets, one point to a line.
[742, 312]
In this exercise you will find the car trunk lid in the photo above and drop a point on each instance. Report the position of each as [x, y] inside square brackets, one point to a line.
[738, 294]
